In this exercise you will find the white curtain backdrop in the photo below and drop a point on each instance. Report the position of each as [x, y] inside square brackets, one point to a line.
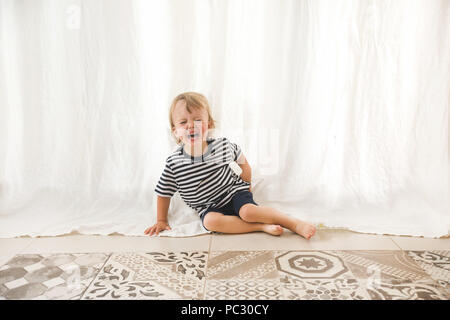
[341, 108]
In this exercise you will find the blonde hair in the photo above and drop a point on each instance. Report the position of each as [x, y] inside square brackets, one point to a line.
[193, 100]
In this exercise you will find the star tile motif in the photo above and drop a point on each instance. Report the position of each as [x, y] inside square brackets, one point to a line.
[254, 275]
[308, 263]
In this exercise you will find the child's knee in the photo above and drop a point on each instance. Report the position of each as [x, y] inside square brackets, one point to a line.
[211, 221]
[247, 213]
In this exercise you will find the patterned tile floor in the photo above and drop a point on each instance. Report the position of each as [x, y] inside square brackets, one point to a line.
[230, 275]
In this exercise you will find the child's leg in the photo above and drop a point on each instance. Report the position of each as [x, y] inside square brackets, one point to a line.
[252, 213]
[216, 221]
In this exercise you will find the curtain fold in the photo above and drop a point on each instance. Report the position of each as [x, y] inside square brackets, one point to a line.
[340, 107]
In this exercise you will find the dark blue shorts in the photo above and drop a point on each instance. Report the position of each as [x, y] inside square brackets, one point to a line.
[232, 208]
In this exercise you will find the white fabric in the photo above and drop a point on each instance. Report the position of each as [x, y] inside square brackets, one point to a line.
[341, 108]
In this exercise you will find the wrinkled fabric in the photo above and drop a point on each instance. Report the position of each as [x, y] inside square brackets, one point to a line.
[341, 108]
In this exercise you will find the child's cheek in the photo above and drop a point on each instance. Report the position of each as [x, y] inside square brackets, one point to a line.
[204, 130]
[180, 132]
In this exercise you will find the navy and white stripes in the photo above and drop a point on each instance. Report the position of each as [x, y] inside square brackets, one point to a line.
[204, 181]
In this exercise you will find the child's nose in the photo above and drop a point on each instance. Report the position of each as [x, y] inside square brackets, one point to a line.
[194, 124]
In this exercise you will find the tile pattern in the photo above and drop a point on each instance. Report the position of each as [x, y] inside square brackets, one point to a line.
[49, 276]
[242, 275]
[436, 264]
[317, 275]
[154, 275]
[230, 275]
[392, 275]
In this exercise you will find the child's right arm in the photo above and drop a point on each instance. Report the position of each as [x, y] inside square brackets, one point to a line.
[162, 207]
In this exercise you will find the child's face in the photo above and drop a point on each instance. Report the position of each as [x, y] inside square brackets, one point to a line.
[192, 127]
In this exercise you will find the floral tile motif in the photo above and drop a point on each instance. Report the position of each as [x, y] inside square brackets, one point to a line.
[436, 264]
[49, 276]
[391, 275]
[381, 289]
[189, 263]
[231, 275]
[320, 289]
[154, 275]
[317, 275]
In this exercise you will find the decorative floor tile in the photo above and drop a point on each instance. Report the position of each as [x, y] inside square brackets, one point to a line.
[230, 275]
[154, 275]
[391, 275]
[235, 289]
[242, 275]
[49, 276]
[436, 264]
[320, 289]
[383, 289]
[391, 265]
[311, 264]
[317, 275]
[242, 265]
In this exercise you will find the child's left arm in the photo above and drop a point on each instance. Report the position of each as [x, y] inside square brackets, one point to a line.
[246, 174]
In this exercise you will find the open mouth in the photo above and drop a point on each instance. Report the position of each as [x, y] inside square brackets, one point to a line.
[193, 136]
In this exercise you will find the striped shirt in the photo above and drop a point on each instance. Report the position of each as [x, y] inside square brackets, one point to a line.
[204, 181]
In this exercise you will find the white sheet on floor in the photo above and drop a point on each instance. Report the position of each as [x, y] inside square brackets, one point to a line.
[341, 108]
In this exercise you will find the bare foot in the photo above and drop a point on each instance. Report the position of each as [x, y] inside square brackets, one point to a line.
[305, 229]
[273, 229]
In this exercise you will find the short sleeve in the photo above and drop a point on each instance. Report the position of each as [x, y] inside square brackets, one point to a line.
[167, 186]
[236, 151]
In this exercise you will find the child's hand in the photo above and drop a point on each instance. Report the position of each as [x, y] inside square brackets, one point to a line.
[157, 228]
